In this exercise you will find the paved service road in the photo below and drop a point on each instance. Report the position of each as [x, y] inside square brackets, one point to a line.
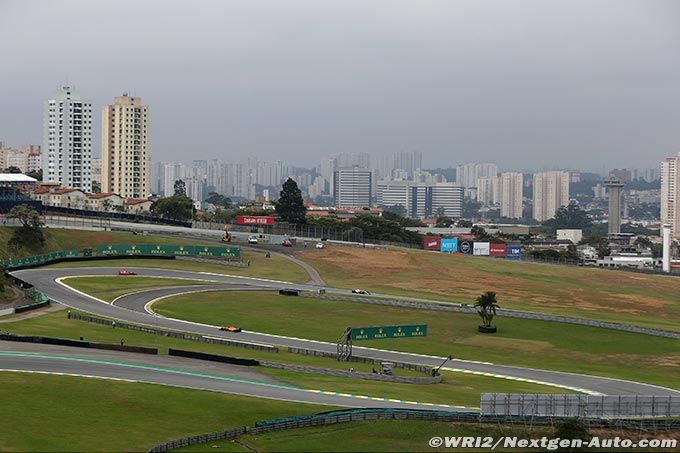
[131, 308]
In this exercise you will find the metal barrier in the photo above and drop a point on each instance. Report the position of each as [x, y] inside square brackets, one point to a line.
[351, 415]
[604, 406]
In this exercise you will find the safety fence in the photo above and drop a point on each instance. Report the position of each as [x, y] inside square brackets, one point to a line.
[122, 216]
[107, 251]
[601, 406]
[358, 415]
[172, 333]
[463, 308]
[77, 343]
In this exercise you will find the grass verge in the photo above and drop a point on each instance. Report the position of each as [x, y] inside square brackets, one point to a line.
[63, 413]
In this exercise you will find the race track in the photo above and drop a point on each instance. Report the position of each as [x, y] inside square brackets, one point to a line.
[131, 308]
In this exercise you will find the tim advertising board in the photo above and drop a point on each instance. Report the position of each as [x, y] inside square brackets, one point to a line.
[449, 245]
[465, 247]
[513, 251]
[497, 250]
[431, 242]
[480, 248]
[254, 220]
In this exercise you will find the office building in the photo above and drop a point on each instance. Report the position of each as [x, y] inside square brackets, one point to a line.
[421, 200]
[447, 199]
[670, 194]
[352, 187]
[67, 148]
[125, 148]
[511, 184]
[551, 191]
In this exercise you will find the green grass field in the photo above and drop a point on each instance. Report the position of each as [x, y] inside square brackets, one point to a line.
[370, 436]
[62, 413]
[528, 343]
[110, 287]
[646, 300]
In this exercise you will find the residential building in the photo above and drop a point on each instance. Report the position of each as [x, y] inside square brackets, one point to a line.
[67, 149]
[511, 184]
[572, 235]
[104, 202]
[488, 190]
[352, 187]
[125, 148]
[550, 192]
[137, 206]
[670, 194]
[467, 174]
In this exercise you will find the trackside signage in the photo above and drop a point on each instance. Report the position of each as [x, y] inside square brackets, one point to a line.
[254, 220]
[387, 332]
[167, 250]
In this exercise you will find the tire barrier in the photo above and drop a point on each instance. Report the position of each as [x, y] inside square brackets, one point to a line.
[77, 343]
[173, 334]
[353, 415]
[501, 312]
[213, 357]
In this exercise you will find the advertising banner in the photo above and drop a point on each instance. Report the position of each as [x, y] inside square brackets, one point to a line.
[480, 248]
[513, 251]
[465, 247]
[497, 250]
[254, 220]
[168, 250]
[449, 245]
[383, 332]
[431, 242]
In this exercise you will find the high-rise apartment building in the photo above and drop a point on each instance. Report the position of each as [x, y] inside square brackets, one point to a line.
[67, 149]
[551, 191]
[670, 194]
[125, 148]
[352, 187]
[511, 184]
[468, 174]
[488, 190]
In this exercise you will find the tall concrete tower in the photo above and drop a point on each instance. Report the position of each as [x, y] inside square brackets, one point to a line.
[614, 186]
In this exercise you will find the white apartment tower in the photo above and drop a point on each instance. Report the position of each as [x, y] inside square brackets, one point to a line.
[125, 148]
[511, 195]
[352, 187]
[551, 191]
[67, 148]
[670, 194]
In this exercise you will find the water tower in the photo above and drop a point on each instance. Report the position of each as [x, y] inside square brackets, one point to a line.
[614, 186]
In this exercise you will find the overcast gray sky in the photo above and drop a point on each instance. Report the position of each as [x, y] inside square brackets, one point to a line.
[525, 83]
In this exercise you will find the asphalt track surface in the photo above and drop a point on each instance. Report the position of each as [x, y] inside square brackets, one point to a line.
[132, 308]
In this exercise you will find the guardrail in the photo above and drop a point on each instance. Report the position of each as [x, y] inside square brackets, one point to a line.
[77, 343]
[351, 415]
[501, 312]
[172, 333]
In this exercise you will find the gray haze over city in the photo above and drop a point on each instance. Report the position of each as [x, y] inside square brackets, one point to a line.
[525, 84]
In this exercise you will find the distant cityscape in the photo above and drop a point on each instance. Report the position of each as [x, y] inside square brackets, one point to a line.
[398, 181]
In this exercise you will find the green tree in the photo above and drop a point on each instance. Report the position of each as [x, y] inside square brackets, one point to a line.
[13, 169]
[96, 187]
[219, 200]
[35, 174]
[177, 208]
[30, 232]
[569, 217]
[444, 221]
[486, 305]
[572, 428]
[290, 206]
[180, 188]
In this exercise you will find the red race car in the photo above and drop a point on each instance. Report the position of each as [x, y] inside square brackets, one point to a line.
[126, 272]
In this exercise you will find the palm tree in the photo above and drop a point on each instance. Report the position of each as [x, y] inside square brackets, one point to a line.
[486, 308]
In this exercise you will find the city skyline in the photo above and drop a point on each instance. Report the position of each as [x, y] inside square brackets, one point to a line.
[300, 85]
